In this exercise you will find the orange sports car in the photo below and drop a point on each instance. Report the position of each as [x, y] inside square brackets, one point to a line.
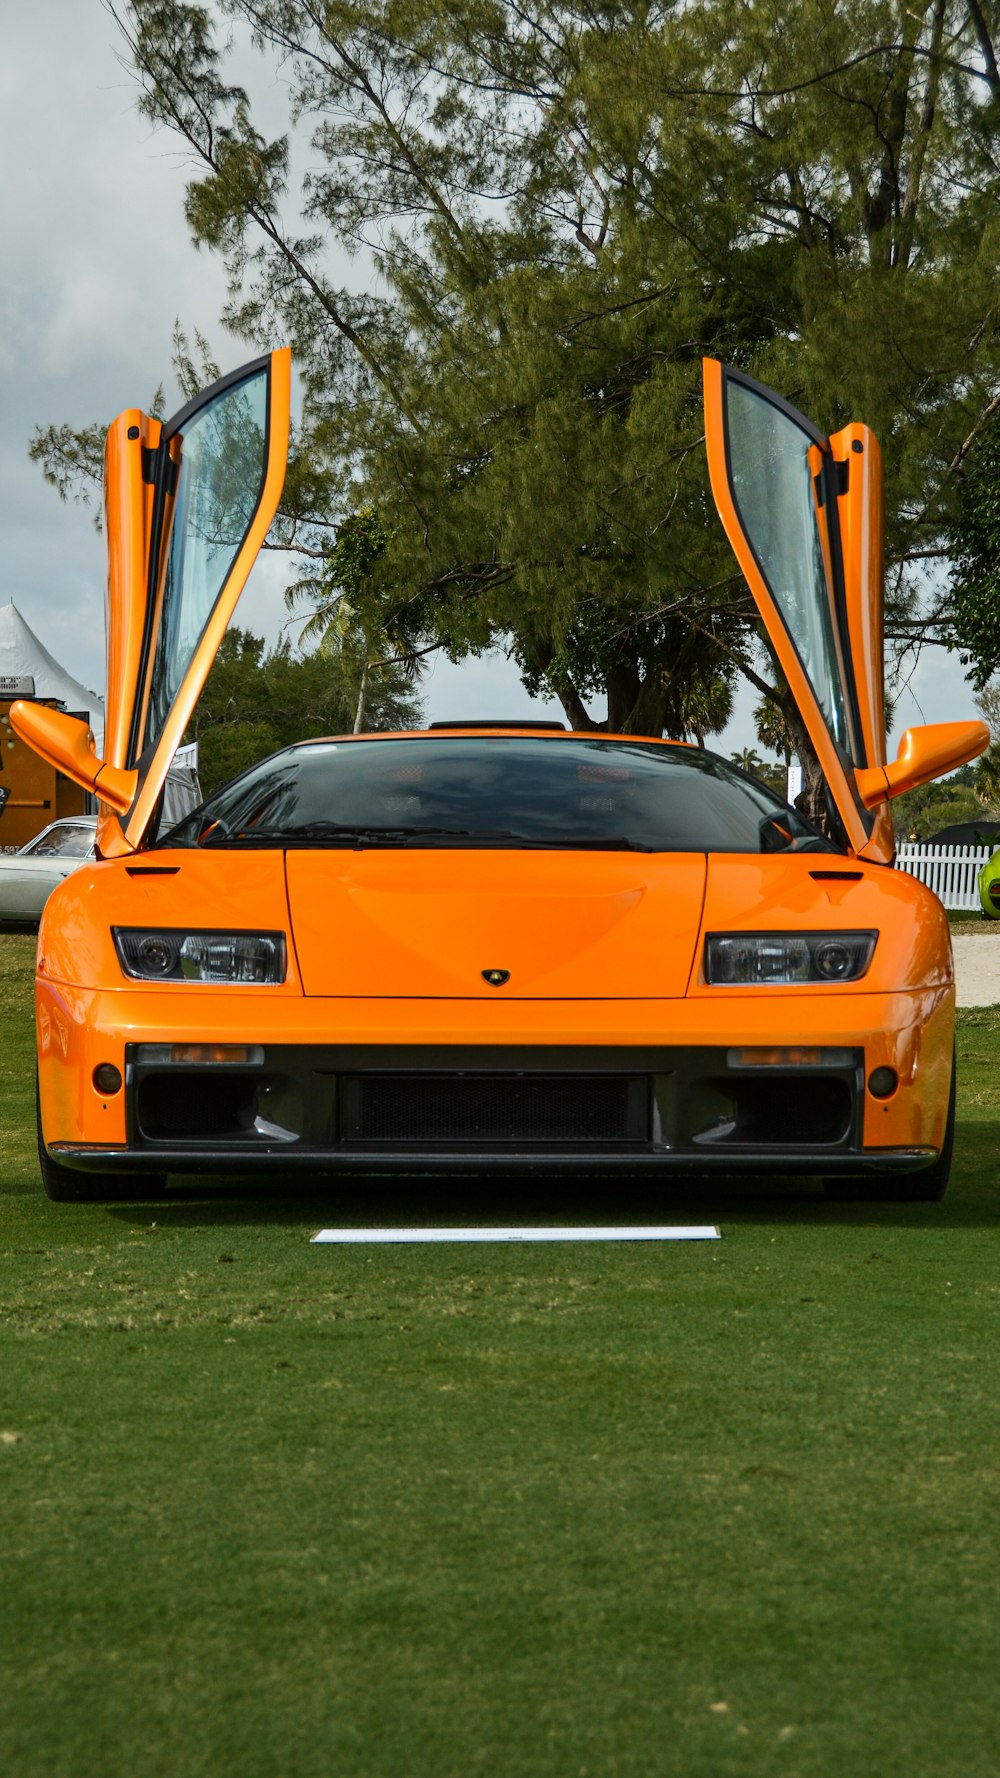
[493, 947]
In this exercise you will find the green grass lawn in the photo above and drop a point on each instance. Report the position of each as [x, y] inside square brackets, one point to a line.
[275, 1511]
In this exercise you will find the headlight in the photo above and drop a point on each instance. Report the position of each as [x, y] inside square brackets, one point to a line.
[169, 955]
[749, 958]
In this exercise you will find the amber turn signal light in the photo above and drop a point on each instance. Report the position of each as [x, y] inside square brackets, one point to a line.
[788, 1057]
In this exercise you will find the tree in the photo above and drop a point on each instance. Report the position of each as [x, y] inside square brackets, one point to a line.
[988, 778]
[987, 767]
[257, 700]
[920, 814]
[336, 589]
[976, 562]
[772, 728]
[564, 209]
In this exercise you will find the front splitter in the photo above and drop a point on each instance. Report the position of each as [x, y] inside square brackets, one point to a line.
[746, 1162]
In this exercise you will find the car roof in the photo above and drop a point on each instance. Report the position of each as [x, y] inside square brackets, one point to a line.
[89, 821]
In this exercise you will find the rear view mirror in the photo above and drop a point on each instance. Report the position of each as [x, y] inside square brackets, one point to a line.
[924, 753]
[68, 744]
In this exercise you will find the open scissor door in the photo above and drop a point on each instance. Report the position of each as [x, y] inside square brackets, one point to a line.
[188, 504]
[803, 513]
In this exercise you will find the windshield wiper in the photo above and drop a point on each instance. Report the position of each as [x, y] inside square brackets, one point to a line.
[335, 833]
[595, 842]
[332, 833]
[373, 836]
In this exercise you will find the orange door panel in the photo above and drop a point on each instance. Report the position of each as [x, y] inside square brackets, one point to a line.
[132, 441]
[188, 505]
[860, 510]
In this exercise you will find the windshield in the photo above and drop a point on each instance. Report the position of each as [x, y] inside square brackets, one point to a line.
[498, 790]
[61, 842]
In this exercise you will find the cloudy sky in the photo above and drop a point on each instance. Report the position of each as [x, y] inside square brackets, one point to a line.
[97, 266]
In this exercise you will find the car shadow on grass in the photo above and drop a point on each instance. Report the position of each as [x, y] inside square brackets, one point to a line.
[330, 1202]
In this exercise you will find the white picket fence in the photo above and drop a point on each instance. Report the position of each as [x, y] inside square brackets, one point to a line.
[951, 871]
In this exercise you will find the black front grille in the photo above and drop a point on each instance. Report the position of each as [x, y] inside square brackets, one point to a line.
[333, 1101]
[444, 1109]
[184, 1106]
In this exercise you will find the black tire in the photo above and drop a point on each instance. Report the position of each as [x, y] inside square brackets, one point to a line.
[927, 1186]
[64, 1185]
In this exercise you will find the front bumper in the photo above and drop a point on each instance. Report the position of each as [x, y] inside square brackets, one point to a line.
[532, 1109]
[677, 1049]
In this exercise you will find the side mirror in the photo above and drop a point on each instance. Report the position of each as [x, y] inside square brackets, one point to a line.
[68, 744]
[924, 753]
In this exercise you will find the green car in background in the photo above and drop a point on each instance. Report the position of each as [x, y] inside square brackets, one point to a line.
[989, 886]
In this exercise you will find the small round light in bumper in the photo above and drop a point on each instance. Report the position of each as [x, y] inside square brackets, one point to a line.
[882, 1082]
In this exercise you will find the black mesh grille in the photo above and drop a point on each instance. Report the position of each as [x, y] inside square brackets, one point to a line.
[494, 1108]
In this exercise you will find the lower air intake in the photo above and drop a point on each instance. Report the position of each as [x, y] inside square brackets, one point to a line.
[480, 1109]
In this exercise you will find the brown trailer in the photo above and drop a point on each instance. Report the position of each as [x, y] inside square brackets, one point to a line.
[32, 793]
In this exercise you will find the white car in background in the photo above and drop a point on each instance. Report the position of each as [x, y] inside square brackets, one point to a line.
[28, 877]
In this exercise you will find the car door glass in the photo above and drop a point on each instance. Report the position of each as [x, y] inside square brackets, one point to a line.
[773, 485]
[222, 458]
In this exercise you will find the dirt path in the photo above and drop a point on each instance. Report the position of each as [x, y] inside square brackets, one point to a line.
[977, 967]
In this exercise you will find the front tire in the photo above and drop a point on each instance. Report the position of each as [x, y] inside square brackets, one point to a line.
[927, 1186]
[64, 1185]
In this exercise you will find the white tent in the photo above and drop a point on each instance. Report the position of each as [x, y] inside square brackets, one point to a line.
[22, 653]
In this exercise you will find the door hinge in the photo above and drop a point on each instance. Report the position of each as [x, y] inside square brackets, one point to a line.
[159, 462]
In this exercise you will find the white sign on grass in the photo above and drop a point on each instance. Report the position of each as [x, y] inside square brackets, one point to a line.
[694, 1232]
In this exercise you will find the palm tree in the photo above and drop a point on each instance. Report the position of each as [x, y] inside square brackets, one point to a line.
[773, 731]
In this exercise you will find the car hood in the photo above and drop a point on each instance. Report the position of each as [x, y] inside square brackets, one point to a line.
[565, 925]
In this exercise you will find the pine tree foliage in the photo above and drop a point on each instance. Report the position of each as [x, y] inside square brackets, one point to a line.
[976, 572]
[259, 699]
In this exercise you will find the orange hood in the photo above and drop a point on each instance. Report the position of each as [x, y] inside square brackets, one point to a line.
[566, 925]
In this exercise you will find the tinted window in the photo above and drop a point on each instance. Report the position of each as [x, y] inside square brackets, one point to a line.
[498, 790]
[773, 485]
[223, 452]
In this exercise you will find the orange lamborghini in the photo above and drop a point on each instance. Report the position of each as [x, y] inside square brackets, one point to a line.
[493, 947]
